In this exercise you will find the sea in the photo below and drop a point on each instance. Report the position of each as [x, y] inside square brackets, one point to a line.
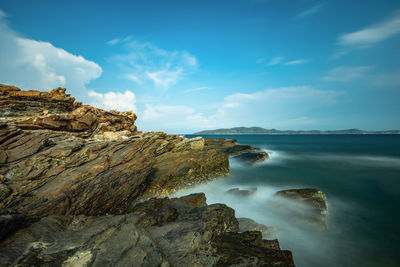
[360, 175]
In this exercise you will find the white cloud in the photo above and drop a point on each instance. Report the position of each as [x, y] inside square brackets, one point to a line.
[275, 61]
[114, 41]
[311, 11]
[297, 62]
[147, 64]
[286, 107]
[346, 74]
[114, 100]
[39, 65]
[373, 34]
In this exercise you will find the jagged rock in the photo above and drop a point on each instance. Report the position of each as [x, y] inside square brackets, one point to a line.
[247, 224]
[51, 173]
[242, 192]
[55, 110]
[76, 179]
[249, 249]
[226, 145]
[312, 201]
[198, 235]
[105, 168]
[251, 158]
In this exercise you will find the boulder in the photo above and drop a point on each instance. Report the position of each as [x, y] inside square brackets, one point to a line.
[252, 158]
[242, 192]
[312, 203]
[167, 232]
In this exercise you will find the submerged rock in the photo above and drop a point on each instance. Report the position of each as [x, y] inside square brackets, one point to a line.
[251, 158]
[313, 201]
[158, 232]
[242, 192]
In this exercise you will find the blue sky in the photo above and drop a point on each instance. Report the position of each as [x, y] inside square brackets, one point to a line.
[184, 66]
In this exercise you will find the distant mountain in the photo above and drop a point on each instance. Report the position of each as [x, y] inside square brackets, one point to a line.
[259, 130]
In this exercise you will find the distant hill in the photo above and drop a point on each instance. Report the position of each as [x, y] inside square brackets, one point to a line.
[259, 130]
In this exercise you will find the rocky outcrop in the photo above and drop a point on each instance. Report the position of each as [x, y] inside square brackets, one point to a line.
[312, 203]
[48, 166]
[244, 154]
[76, 188]
[56, 110]
[229, 146]
[158, 232]
[50, 173]
[252, 158]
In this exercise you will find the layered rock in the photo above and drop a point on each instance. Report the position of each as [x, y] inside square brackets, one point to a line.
[52, 166]
[56, 110]
[312, 203]
[244, 154]
[158, 232]
[78, 183]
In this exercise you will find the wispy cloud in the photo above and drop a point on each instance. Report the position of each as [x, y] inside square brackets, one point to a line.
[346, 74]
[310, 11]
[280, 60]
[116, 41]
[275, 61]
[145, 62]
[297, 62]
[372, 34]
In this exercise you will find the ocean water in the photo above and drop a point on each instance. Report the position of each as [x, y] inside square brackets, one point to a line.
[360, 175]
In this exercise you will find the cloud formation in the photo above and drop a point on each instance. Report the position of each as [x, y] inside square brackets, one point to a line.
[39, 65]
[346, 74]
[297, 62]
[311, 11]
[285, 107]
[372, 34]
[114, 100]
[145, 63]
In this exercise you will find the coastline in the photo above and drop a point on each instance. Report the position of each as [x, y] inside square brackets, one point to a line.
[72, 168]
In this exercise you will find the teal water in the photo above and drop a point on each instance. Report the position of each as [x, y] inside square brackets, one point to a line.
[360, 174]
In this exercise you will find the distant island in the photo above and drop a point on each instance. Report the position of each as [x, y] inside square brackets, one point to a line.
[259, 130]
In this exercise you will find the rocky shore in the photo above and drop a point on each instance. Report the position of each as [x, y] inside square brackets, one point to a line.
[80, 186]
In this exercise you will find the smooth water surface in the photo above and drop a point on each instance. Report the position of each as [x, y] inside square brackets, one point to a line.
[360, 174]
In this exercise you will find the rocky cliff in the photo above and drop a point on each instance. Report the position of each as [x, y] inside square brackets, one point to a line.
[78, 181]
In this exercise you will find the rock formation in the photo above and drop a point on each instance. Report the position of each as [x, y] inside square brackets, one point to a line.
[244, 154]
[313, 203]
[78, 182]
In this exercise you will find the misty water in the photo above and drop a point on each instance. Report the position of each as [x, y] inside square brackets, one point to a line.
[360, 175]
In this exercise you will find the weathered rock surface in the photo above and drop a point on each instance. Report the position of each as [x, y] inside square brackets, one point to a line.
[244, 154]
[242, 192]
[76, 184]
[55, 110]
[50, 165]
[227, 145]
[158, 232]
[251, 158]
[312, 201]
[247, 224]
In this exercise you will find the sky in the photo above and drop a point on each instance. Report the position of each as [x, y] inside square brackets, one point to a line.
[185, 66]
